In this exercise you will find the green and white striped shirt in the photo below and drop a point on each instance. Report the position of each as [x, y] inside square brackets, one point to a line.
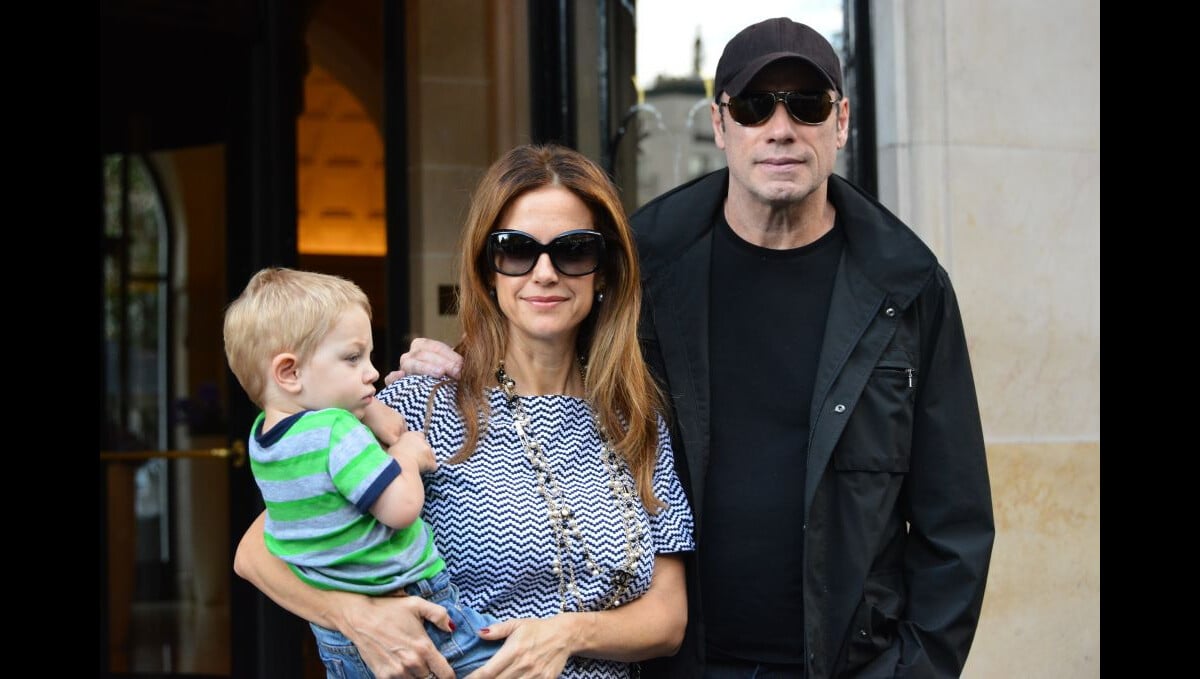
[319, 473]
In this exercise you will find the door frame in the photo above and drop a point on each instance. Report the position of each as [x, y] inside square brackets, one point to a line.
[233, 76]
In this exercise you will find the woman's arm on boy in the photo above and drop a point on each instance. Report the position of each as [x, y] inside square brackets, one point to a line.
[388, 631]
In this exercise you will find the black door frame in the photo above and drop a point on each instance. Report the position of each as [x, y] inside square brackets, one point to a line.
[233, 75]
[261, 232]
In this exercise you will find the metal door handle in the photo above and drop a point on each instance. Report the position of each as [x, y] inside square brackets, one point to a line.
[236, 451]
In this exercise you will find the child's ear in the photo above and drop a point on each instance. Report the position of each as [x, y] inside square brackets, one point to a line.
[285, 370]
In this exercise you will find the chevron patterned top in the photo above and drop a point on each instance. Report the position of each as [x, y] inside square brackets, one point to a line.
[489, 520]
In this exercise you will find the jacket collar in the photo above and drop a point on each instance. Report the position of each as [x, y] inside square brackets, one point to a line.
[886, 251]
[679, 218]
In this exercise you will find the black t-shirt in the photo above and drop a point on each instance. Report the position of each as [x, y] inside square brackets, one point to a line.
[768, 312]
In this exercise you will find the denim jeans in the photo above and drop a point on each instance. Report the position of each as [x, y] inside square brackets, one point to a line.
[746, 669]
[462, 648]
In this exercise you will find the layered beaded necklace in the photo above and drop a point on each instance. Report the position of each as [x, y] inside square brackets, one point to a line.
[563, 523]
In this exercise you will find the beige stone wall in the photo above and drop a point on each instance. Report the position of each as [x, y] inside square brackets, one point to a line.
[1041, 614]
[467, 63]
[449, 143]
[989, 135]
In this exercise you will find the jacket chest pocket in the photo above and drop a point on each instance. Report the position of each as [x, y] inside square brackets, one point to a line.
[878, 435]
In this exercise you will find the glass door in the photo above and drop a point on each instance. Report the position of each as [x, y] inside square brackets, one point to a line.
[165, 455]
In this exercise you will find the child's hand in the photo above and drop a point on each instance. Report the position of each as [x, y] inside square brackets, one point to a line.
[385, 423]
[413, 449]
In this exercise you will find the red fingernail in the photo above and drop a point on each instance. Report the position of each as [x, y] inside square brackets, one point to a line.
[486, 630]
[451, 625]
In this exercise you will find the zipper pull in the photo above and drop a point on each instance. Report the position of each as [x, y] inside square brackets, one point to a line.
[910, 377]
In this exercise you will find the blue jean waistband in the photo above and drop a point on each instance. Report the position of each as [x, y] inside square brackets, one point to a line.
[429, 586]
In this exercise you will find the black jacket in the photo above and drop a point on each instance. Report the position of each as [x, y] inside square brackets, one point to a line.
[898, 522]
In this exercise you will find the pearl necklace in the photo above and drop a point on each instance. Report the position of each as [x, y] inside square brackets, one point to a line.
[562, 519]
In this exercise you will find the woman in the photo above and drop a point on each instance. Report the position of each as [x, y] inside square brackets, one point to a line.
[556, 501]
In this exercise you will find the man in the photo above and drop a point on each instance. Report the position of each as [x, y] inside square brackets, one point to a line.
[825, 421]
[814, 353]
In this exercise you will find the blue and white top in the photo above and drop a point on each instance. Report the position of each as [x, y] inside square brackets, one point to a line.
[490, 521]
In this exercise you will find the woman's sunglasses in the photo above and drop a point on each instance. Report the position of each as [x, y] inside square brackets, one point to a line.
[574, 253]
[753, 108]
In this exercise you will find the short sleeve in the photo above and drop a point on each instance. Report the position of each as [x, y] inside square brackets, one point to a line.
[410, 396]
[359, 467]
[671, 529]
[407, 396]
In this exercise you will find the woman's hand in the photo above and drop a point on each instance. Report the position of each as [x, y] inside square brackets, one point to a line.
[427, 357]
[389, 633]
[533, 648]
[647, 627]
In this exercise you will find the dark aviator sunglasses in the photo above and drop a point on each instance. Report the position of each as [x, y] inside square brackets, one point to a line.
[754, 108]
[574, 253]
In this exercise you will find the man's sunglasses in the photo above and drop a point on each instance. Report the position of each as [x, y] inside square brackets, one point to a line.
[574, 253]
[753, 108]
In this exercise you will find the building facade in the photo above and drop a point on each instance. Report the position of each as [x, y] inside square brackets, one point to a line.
[347, 136]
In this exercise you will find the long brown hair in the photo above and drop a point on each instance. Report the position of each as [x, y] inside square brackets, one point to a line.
[618, 384]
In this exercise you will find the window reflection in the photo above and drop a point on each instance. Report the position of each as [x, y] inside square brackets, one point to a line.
[135, 313]
[167, 520]
[135, 270]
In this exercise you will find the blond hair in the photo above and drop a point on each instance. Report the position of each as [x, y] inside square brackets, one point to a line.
[618, 384]
[283, 310]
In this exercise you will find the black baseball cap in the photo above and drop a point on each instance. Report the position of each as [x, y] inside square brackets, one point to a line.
[769, 41]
